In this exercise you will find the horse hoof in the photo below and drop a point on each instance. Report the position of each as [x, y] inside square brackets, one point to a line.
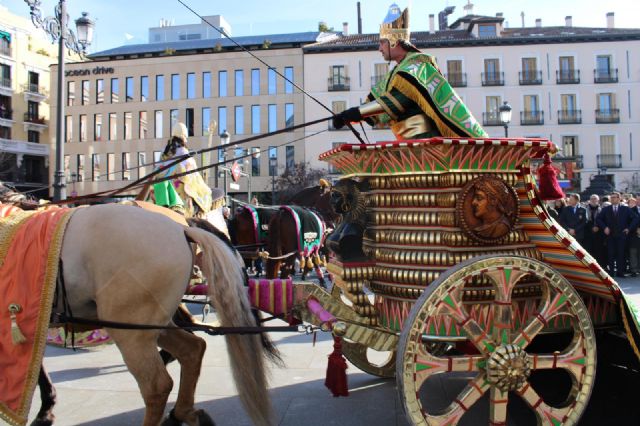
[42, 422]
[204, 419]
[171, 420]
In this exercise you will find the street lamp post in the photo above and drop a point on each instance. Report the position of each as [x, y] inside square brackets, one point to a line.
[273, 165]
[56, 27]
[505, 117]
[255, 153]
[225, 138]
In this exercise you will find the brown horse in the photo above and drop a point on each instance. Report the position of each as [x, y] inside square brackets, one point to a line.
[286, 235]
[129, 265]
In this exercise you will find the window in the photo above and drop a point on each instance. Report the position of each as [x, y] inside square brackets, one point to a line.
[290, 158]
[99, 91]
[255, 162]
[570, 146]
[288, 82]
[273, 161]
[529, 69]
[189, 118]
[175, 86]
[111, 166]
[491, 67]
[126, 160]
[239, 78]
[82, 130]
[222, 119]
[33, 110]
[486, 30]
[32, 135]
[379, 72]
[115, 90]
[158, 125]
[272, 117]
[288, 115]
[206, 120]
[338, 75]
[144, 88]
[173, 120]
[95, 167]
[159, 87]
[71, 92]
[568, 102]
[337, 107]
[222, 84]
[80, 167]
[271, 77]
[85, 92]
[239, 120]
[157, 157]
[566, 64]
[97, 127]
[606, 101]
[255, 82]
[113, 126]
[206, 84]
[454, 72]
[255, 119]
[68, 128]
[142, 125]
[128, 123]
[531, 103]
[603, 64]
[238, 152]
[191, 85]
[142, 160]
[129, 89]
[607, 145]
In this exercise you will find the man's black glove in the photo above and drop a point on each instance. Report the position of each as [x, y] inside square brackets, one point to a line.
[347, 116]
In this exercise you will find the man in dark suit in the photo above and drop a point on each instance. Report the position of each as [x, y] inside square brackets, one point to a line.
[593, 235]
[573, 218]
[634, 241]
[617, 221]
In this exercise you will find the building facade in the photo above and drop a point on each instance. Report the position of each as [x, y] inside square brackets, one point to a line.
[121, 107]
[25, 57]
[575, 86]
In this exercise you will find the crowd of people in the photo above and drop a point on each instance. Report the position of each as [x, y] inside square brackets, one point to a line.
[608, 228]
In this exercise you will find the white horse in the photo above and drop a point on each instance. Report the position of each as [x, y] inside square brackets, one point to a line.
[126, 264]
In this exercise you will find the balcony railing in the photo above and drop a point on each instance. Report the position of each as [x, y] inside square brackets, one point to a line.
[33, 118]
[376, 79]
[491, 119]
[338, 84]
[608, 115]
[5, 82]
[613, 161]
[531, 118]
[528, 78]
[493, 79]
[605, 75]
[569, 116]
[457, 79]
[578, 160]
[33, 88]
[568, 76]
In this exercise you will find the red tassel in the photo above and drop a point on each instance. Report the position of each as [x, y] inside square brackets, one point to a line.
[336, 379]
[548, 186]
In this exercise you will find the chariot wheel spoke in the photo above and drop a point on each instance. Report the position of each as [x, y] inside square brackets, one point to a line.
[573, 359]
[427, 365]
[549, 308]
[465, 400]
[546, 414]
[498, 401]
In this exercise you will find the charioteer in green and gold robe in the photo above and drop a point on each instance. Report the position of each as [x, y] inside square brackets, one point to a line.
[414, 98]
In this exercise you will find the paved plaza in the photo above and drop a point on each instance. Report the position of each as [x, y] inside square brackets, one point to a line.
[95, 388]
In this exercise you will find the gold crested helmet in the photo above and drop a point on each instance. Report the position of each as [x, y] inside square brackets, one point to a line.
[395, 28]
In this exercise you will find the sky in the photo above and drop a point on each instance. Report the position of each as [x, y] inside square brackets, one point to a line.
[120, 22]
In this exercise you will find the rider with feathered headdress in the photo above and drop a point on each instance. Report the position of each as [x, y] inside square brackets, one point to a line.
[414, 98]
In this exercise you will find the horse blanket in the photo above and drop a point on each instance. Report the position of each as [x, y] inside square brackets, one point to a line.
[261, 218]
[310, 229]
[30, 245]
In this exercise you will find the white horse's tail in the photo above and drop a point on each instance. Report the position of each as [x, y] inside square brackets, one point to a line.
[230, 300]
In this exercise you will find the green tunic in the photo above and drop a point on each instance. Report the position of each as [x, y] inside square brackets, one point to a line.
[416, 86]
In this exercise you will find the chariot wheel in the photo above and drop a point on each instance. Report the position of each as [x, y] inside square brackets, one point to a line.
[380, 365]
[498, 367]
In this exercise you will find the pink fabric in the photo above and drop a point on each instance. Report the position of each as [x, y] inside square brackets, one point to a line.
[319, 312]
[272, 296]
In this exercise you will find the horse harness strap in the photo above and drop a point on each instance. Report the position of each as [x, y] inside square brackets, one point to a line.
[211, 330]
